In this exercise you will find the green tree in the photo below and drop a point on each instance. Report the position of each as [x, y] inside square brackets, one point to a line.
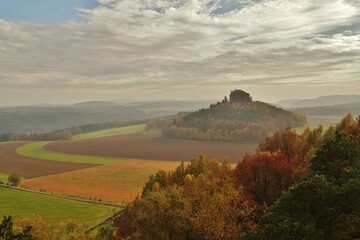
[338, 160]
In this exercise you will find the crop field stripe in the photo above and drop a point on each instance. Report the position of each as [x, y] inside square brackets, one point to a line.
[56, 209]
[116, 183]
[111, 132]
[36, 150]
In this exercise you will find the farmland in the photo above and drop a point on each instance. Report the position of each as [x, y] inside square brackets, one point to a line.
[36, 150]
[110, 165]
[119, 182]
[27, 167]
[55, 209]
[111, 132]
[152, 147]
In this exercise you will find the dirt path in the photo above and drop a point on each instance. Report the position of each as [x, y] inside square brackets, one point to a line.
[10, 162]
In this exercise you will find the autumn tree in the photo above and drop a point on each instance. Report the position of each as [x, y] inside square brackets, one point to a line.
[160, 179]
[353, 131]
[287, 142]
[265, 175]
[7, 231]
[217, 208]
[41, 229]
[189, 209]
[345, 122]
[325, 204]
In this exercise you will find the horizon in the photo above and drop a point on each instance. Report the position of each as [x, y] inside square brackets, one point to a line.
[66, 52]
[127, 101]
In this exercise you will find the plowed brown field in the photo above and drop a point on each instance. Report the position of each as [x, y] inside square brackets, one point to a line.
[119, 182]
[150, 147]
[10, 162]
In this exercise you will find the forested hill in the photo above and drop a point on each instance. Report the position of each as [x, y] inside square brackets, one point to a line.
[238, 118]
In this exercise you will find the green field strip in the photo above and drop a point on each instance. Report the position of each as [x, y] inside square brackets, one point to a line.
[56, 209]
[36, 150]
[111, 132]
[4, 177]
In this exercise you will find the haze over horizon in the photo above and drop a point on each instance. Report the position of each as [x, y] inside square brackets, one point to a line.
[70, 51]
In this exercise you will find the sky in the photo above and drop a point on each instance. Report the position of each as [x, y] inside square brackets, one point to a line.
[67, 51]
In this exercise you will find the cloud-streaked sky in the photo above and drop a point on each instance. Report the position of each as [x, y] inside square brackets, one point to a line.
[71, 51]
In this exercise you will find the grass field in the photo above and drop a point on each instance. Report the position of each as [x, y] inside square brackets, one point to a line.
[4, 177]
[36, 150]
[56, 209]
[111, 132]
[119, 182]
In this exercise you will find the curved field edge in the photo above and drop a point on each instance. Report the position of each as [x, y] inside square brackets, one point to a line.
[36, 150]
[17, 202]
[140, 128]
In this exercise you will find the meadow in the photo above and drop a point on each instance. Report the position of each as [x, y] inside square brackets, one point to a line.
[55, 209]
[111, 132]
[4, 177]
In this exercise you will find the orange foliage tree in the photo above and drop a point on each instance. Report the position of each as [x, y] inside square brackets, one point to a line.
[265, 176]
[197, 201]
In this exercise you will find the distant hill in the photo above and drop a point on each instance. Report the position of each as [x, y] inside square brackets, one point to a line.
[170, 105]
[332, 110]
[95, 104]
[47, 117]
[327, 115]
[238, 118]
[320, 101]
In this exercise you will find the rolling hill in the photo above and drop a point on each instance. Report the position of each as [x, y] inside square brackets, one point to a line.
[237, 119]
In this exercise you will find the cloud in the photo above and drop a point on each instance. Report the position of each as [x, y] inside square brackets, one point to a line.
[176, 44]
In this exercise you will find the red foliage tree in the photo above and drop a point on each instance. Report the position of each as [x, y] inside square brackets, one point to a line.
[265, 176]
[286, 141]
